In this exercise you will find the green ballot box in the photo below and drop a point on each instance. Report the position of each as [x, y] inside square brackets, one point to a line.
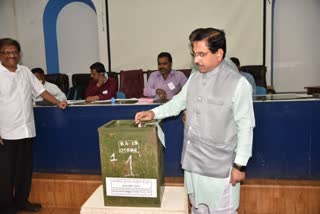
[131, 164]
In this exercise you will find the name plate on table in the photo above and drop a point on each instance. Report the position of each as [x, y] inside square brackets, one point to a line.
[131, 164]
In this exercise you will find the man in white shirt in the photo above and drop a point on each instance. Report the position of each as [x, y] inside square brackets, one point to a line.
[218, 129]
[17, 88]
[50, 87]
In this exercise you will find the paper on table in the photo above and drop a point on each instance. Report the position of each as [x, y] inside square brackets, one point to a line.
[114, 100]
[146, 100]
[101, 101]
[71, 102]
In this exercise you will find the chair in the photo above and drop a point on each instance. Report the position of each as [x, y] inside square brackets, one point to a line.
[80, 83]
[258, 72]
[261, 90]
[132, 83]
[81, 79]
[61, 80]
[186, 72]
[120, 95]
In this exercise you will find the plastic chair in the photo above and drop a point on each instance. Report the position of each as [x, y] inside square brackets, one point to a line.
[261, 90]
[120, 95]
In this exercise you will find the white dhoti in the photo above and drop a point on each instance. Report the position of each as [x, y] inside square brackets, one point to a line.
[212, 195]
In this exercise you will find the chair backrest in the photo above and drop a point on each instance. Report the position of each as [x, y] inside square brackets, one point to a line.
[186, 72]
[61, 80]
[132, 83]
[258, 72]
[80, 79]
[261, 90]
[80, 83]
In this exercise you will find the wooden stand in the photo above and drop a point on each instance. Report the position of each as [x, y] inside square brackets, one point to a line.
[174, 201]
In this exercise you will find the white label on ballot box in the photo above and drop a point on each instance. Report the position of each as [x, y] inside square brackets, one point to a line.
[131, 187]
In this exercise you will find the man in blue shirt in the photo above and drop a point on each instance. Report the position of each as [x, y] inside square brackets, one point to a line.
[248, 76]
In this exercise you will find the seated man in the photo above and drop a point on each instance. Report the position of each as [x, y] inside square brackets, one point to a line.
[50, 87]
[101, 87]
[248, 76]
[164, 83]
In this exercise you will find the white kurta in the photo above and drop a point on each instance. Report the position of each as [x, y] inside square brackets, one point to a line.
[209, 190]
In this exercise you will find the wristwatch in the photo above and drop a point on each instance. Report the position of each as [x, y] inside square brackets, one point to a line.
[238, 167]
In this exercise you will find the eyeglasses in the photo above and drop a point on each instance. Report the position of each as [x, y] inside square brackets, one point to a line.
[8, 53]
[200, 54]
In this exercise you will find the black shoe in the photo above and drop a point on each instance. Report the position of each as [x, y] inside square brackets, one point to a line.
[31, 207]
[8, 211]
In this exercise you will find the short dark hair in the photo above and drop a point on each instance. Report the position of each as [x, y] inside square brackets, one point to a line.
[99, 67]
[215, 38]
[37, 70]
[236, 61]
[9, 41]
[165, 54]
[194, 33]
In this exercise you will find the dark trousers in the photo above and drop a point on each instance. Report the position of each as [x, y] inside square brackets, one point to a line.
[15, 174]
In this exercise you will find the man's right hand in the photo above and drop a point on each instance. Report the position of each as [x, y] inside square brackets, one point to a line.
[62, 104]
[1, 142]
[161, 93]
[144, 116]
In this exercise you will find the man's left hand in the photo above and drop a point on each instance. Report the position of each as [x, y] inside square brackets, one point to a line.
[92, 98]
[237, 176]
[62, 104]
